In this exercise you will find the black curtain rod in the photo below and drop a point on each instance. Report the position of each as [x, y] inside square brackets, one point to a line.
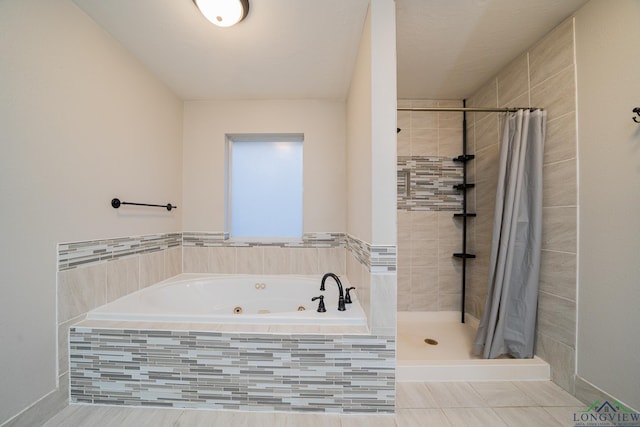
[470, 109]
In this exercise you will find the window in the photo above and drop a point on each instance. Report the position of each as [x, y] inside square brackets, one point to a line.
[264, 179]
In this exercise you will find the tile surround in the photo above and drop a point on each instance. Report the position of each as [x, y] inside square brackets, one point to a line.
[543, 76]
[548, 69]
[560, 184]
[75, 254]
[309, 240]
[95, 272]
[557, 318]
[380, 258]
[557, 94]
[513, 81]
[199, 369]
[426, 174]
[560, 356]
[554, 53]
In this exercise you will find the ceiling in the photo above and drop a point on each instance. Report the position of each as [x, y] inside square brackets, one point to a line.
[448, 48]
[301, 49]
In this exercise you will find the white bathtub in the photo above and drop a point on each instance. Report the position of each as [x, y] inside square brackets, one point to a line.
[262, 299]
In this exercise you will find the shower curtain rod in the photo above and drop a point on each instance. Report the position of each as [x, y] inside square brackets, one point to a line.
[470, 109]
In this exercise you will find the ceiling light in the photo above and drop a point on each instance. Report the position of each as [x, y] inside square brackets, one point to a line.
[223, 13]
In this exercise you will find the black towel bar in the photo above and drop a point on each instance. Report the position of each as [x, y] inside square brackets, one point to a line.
[115, 203]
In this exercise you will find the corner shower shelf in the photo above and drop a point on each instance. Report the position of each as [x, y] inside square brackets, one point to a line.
[465, 256]
[464, 158]
[463, 186]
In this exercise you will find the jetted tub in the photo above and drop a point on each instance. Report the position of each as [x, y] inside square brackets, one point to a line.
[215, 298]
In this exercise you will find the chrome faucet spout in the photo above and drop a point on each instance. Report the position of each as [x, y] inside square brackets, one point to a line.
[341, 306]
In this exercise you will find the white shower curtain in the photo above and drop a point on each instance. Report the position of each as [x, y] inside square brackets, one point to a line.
[509, 319]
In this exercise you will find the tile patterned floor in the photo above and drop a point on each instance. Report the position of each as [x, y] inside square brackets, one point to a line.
[475, 404]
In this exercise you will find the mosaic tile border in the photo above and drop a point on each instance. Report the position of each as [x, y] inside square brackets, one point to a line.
[215, 370]
[80, 254]
[309, 240]
[360, 249]
[384, 259]
[425, 183]
[377, 259]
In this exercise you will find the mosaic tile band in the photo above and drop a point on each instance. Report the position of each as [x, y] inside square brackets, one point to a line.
[309, 240]
[77, 254]
[269, 372]
[426, 183]
[378, 259]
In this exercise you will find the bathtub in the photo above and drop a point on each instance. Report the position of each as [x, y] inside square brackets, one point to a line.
[215, 298]
[184, 343]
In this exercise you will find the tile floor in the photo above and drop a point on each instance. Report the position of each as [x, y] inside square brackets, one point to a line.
[474, 404]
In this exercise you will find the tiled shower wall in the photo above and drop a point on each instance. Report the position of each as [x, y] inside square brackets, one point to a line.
[543, 76]
[429, 277]
[211, 253]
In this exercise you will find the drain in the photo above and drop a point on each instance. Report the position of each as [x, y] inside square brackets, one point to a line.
[237, 310]
[430, 341]
[301, 308]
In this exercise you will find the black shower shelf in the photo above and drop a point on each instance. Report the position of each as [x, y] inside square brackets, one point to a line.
[463, 158]
[466, 214]
[463, 186]
[464, 256]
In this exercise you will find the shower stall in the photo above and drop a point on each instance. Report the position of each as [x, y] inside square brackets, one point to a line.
[448, 156]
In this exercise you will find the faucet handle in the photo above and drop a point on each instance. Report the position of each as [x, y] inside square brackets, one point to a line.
[347, 297]
[321, 308]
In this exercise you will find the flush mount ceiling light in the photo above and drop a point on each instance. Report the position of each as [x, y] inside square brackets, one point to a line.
[223, 13]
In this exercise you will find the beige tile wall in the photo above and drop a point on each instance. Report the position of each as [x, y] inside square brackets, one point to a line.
[377, 292]
[360, 277]
[543, 76]
[429, 278]
[85, 288]
[264, 260]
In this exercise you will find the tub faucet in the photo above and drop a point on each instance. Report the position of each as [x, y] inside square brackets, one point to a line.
[341, 306]
[347, 295]
[321, 307]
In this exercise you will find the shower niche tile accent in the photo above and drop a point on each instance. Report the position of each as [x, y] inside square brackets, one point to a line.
[426, 183]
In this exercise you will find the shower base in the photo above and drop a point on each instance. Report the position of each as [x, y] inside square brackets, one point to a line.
[451, 359]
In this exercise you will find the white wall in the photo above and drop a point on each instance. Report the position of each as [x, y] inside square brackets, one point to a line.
[608, 71]
[383, 116]
[371, 130]
[81, 122]
[371, 161]
[323, 125]
[359, 136]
